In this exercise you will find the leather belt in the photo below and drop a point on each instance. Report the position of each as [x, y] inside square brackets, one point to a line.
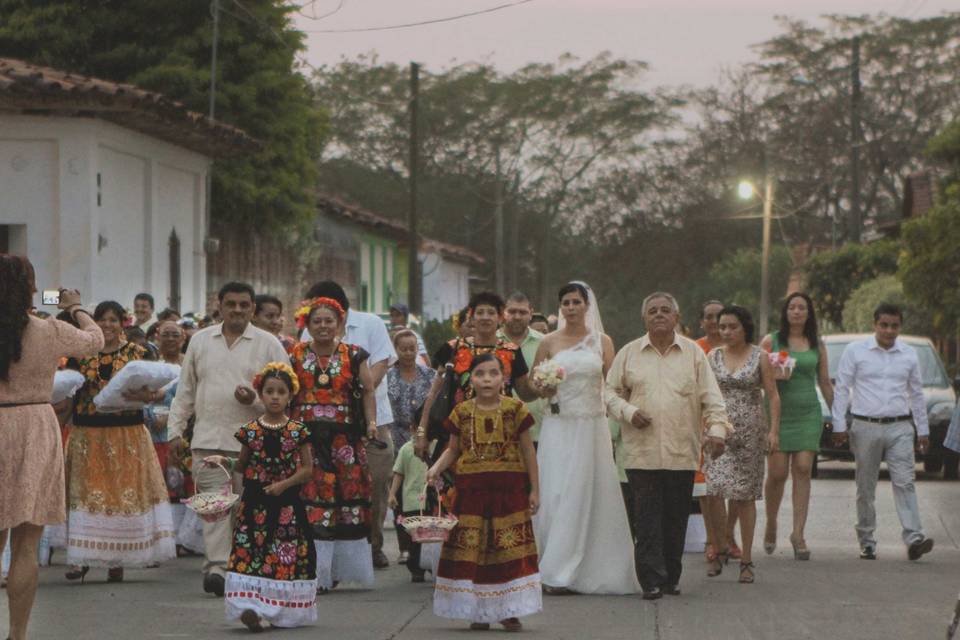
[887, 420]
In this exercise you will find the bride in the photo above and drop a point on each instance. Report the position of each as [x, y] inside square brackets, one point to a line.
[581, 528]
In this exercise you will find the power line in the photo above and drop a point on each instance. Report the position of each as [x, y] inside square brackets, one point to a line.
[313, 5]
[423, 22]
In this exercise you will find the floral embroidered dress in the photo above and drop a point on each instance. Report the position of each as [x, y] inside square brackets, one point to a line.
[338, 498]
[273, 564]
[488, 568]
[118, 508]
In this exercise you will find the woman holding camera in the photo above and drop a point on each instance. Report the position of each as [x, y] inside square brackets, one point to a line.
[31, 454]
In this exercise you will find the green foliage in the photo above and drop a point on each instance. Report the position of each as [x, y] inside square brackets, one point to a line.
[735, 279]
[930, 261]
[858, 312]
[436, 333]
[166, 47]
[833, 275]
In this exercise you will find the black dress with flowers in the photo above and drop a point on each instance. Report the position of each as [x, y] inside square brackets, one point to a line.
[272, 537]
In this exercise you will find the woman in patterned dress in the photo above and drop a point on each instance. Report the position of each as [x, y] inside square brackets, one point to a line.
[332, 374]
[744, 373]
[118, 509]
[273, 565]
[488, 568]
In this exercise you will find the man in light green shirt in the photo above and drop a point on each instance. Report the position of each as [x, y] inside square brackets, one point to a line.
[516, 329]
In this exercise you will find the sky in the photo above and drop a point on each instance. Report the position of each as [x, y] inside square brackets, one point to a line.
[685, 42]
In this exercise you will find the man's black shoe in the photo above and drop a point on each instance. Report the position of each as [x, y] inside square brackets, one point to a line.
[653, 594]
[672, 589]
[868, 553]
[213, 583]
[380, 560]
[917, 549]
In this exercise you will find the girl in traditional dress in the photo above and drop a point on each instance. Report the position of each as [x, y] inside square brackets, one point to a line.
[119, 511]
[488, 568]
[337, 404]
[271, 575]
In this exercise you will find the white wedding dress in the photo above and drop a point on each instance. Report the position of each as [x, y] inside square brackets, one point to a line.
[581, 528]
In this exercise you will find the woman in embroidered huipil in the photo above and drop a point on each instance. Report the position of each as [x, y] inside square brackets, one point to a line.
[488, 567]
[335, 386]
[118, 509]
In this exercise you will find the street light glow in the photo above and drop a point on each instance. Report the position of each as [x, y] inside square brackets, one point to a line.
[745, 190]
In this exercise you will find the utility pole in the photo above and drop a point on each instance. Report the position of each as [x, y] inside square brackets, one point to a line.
[414, 282]
[856, 221]
[499, 254]
[215, 9]
[765, 254]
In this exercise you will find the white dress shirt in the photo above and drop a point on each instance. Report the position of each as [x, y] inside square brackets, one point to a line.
[884, 383]
[209, 376]
[367, 331]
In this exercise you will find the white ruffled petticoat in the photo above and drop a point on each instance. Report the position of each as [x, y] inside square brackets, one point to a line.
[465, 600]
[344, 562]
[282, 603]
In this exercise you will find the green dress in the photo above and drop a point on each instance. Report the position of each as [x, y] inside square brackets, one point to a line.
[801, 420]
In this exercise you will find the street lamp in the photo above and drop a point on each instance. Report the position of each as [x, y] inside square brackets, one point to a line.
[746, 190]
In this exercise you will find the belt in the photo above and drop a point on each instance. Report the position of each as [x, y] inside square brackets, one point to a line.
[21, 404]
[886, 420]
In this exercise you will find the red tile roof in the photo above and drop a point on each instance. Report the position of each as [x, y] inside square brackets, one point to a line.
[33, 89]
[340, 208]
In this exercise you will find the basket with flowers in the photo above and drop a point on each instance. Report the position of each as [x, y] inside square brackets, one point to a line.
[429, 528]
[213, 506]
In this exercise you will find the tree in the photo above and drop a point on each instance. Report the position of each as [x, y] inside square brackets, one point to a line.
[858, 312]
[166, 47]
[833, 275]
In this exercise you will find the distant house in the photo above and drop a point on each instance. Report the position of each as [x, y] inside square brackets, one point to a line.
[919, 195]
[365, 252]
[103, 185]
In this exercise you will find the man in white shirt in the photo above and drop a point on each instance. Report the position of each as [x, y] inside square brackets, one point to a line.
[882, 374]
[369, 332]
[215, 385]
[143, 315]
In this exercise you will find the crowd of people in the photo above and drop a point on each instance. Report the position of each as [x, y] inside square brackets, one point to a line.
[570, 465]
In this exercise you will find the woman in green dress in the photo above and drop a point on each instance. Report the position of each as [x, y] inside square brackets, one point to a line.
[801, 420]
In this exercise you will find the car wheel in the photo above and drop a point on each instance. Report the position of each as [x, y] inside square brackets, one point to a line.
[951, 462]
[932, 462]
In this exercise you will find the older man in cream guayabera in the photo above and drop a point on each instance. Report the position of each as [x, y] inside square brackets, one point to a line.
[663, 389]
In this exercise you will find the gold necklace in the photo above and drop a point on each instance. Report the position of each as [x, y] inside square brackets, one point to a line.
[323, 378]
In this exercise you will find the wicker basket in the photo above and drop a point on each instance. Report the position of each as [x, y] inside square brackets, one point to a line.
[213, 506]
[429, 528]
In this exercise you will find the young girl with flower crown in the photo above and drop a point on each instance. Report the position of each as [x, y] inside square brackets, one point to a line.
[271, 576]
[488, 567]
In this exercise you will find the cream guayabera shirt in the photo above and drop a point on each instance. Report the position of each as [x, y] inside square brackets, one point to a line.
[678, 391]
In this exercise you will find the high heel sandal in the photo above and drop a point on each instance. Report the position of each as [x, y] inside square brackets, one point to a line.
[716, 567]
[746, 573]
[115, 574]
[770, 540]
[77, 573]
[799, 552]
[511, 624]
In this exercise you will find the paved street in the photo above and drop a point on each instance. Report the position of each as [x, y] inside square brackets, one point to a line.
[835, 595]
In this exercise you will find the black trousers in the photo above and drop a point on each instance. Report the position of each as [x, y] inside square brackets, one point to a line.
[413, 548]
[661, 507]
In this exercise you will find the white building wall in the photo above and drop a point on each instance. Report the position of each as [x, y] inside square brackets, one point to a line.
[48, 185]
[446, 286]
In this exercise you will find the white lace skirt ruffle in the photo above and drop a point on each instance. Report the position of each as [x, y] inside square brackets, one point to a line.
[282, 603]
[99, 540]
[464, 600]
[344, 561]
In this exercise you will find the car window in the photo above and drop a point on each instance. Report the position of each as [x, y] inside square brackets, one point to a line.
[931, 369]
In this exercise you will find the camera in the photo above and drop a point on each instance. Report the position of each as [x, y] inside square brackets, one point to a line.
[51, 297]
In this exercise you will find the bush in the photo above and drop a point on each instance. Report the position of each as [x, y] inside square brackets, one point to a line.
[832, 276]
[858, 312]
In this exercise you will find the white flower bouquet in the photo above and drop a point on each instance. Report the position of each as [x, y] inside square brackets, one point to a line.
[548, 375]
[782, 364]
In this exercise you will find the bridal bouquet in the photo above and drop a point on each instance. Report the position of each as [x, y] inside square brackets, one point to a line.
[782, 364]
[549, 374]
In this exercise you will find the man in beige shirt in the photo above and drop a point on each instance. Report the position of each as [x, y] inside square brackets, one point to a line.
[663, 389]
[215, 385]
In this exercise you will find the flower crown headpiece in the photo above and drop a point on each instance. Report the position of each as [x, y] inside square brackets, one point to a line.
[306, 306]
[277, 367]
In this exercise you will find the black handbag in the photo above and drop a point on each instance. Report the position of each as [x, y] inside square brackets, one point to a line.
[357, 410]
[443, 404]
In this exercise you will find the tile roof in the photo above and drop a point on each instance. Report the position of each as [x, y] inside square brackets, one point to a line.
[340, 208]
[32, 89]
